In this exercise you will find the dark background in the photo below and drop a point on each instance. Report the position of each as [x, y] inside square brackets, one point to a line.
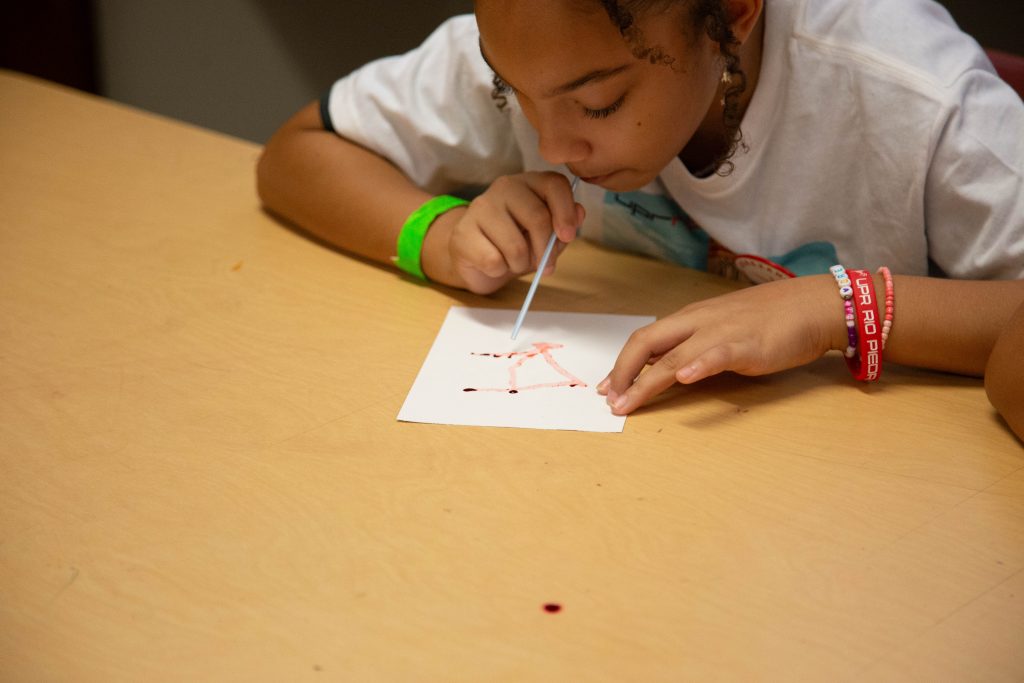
[243, 66]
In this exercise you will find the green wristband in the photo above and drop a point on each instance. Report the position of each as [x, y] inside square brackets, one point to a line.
[410, 239]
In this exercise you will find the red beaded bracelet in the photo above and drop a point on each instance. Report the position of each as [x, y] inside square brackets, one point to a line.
[868, 364]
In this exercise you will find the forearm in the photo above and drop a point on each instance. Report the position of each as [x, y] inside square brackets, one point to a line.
[335, 189]
[948, 325]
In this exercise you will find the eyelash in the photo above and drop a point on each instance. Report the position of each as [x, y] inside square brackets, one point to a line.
[503, 88]
[606, 112]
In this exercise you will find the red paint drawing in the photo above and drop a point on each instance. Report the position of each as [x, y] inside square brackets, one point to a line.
[541, 350]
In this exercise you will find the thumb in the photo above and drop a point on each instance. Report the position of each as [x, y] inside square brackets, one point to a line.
[567, 233]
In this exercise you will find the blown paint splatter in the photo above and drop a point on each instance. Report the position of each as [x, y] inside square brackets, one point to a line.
[540, 349]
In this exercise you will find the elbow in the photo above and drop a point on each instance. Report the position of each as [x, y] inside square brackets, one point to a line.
[1007, 397]
[1004, 374]
[1006, 402]
[278, 158]
[263, 166]
[269, 189]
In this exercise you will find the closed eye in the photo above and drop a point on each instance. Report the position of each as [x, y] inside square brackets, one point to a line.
[503, 88]
[605, 112]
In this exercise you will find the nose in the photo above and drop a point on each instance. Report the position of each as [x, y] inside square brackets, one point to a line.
[559, 143]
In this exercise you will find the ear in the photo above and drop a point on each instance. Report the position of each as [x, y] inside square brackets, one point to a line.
[743, 16]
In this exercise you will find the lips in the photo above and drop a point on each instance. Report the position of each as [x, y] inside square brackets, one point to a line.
[596, 179]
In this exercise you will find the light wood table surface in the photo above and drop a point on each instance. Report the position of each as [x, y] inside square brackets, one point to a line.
[202, 476]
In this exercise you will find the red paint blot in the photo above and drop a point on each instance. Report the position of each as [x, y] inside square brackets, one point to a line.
[552, 607]
[542, 349]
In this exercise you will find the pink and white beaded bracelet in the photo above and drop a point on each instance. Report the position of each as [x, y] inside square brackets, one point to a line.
[846, 292]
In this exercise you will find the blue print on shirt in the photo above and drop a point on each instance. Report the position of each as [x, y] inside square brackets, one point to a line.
[809, 259]
[656, 226]
[653, 225]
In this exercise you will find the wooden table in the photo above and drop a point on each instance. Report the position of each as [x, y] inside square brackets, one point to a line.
[202, 476]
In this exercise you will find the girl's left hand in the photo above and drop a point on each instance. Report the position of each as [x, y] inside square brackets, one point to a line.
[754, 331]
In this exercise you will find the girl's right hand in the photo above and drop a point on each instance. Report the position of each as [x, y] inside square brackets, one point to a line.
[502, 234]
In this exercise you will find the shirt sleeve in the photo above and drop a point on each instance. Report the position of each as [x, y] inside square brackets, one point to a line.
[430, 112]
[974, 196]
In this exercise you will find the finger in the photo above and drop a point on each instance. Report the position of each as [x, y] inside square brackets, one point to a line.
[504, 233]
[534, 221]
[652, 382]
[516, 220]
[645, 343]
[604, 385]
[512, 200]
[743, 357]
[711, 362]
[675, 366]
[555, 253]
[476, 250]
[556, 193]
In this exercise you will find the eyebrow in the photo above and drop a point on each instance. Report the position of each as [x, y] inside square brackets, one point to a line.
[594, 76]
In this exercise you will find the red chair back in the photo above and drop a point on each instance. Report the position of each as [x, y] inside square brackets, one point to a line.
[1010, 68]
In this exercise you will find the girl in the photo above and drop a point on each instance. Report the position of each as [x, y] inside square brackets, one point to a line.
[757, 140]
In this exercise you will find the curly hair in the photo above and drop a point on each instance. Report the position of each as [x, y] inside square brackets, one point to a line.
[709, 16]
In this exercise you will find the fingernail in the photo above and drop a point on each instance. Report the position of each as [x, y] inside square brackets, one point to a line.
[620, 403]
[686, 373]
[602, 386]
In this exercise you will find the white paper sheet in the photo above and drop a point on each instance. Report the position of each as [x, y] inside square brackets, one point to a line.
[545, 379]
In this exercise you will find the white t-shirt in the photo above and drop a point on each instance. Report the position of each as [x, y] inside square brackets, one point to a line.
[878, 134]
